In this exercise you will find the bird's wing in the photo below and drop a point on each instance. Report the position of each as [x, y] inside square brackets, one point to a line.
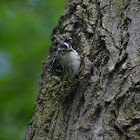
[55, 67]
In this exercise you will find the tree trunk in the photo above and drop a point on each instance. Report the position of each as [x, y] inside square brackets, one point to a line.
[105, 104]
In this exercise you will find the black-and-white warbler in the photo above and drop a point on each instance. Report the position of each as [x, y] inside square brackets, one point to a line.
[65, 63]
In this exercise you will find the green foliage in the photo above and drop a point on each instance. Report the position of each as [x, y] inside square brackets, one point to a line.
[25, 29]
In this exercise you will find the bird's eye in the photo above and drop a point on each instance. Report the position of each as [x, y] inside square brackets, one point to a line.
[63, 50]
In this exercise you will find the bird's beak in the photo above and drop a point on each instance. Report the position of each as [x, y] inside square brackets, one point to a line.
[70, 49]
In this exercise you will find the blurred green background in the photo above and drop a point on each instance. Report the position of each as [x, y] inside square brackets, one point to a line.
[25, 29]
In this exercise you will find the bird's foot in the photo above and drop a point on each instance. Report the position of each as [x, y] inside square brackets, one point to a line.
[83, 54]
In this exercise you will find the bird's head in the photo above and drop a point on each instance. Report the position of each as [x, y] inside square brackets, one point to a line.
[65, 48]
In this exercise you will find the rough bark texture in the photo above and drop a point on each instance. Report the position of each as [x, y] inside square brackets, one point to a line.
[105, 105]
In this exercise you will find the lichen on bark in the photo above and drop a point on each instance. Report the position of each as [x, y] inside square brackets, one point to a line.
[106, 103]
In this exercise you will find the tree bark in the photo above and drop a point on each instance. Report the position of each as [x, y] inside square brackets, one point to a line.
[105, 104]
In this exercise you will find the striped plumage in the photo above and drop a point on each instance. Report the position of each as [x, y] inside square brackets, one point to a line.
[65, 63]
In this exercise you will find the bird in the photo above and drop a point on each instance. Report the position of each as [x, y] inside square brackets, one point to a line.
[65, 63]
